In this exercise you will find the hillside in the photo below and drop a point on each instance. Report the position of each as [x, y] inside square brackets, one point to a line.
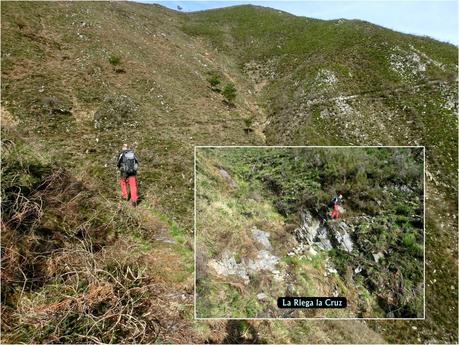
[342, 82]
[263, 231]
[79, 79]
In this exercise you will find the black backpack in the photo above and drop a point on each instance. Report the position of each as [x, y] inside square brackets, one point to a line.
[333, 202]
[129, 164]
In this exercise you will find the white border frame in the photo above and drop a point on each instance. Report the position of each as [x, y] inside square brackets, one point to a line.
[308, 318]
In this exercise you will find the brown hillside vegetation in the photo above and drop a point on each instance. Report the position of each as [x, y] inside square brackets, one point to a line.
[81, 78]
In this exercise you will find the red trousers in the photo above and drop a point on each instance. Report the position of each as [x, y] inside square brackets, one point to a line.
[132, 186]
[335, 212]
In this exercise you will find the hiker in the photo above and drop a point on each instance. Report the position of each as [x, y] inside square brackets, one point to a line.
[128, 166]
[335, 204]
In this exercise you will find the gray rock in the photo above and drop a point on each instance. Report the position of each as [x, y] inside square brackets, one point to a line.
[278, 276]
[291, 289]
[324, 244]
[264, 261]
[312, 251]
[405, 189]
[228, 266]
[343, 237]
[332, 270]
[227, 177]
[346, 242]
[312, 232]
[261, 237]
[377, 256]
[322, 240]
[299, 249]
[261, 296]
[309, 228]
[322, 233]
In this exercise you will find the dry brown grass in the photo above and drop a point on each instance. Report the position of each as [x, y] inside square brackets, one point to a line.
[76, 268]
[107, 293]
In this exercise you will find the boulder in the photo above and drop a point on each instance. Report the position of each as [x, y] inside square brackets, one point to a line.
[343, 238]
[228, 266]
[261, 296]
[227, 177]
[261, 237]
[264, 261]
[377, 256]
[309, 228]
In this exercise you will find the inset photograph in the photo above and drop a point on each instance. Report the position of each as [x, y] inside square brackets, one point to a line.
[306, 222]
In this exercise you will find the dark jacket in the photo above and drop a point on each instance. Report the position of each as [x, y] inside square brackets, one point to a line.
[120, 160]
[335, 201]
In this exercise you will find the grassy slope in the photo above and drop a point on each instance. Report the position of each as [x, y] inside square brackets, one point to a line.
[225, 216]
[384, 107]
[59, 90]
[389, 108]
[62, 51]
[269, 183]
[72, 259]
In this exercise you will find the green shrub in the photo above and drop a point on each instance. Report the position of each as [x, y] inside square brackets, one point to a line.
[215, 80]
[403, 209]
[229, 92]
[248, 121]
[409, 240]
[114, 60]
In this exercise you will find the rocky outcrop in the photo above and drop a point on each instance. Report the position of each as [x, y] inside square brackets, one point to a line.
[263, 261]
[261, 237]
[341, 234]
[227, 266]
[322, 240]
[313, 232]
[309, 228]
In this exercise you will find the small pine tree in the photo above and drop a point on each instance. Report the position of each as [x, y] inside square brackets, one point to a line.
[215, 81]
[229, 92]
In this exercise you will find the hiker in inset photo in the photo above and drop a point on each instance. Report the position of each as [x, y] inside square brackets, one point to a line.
[335, 204]
[128, 166]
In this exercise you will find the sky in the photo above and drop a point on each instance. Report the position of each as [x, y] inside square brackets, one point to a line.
[437, 19]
